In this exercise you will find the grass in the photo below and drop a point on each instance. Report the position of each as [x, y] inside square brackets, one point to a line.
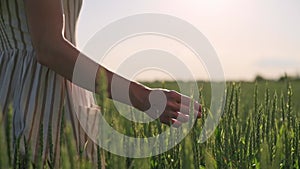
[260, 128]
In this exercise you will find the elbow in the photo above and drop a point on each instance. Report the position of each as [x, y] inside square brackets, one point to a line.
[40, 58]
[47, 50]
[44, 53]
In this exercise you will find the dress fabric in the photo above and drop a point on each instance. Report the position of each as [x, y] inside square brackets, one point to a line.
[39, 97]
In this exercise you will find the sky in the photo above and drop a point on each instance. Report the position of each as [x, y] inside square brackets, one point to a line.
[250, 37]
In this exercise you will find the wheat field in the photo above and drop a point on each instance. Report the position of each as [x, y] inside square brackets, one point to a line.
[260, 128]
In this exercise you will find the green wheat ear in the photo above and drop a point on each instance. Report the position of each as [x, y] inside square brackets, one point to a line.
[16, 163]
[71, 153]
[51, 154]
[28, 155]
[40, 147]
[8, 134]
[4, 163]
[102, 88]
[102, 101]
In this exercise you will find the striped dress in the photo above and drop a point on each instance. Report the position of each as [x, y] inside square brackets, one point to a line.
[39, 97]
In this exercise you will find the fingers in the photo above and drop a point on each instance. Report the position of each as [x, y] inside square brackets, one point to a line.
[177, 110]
[183, 117]
[185, 108]
[176, 123]
[170, 121]
[182, 102]
[176, 115]
[174, 118]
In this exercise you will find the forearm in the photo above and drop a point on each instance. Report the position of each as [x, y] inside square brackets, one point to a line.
[65, 59]
[124, 90]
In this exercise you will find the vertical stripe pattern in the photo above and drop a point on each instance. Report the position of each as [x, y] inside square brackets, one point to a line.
[38, 94]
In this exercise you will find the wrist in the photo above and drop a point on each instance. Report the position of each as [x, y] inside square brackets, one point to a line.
[139, 96]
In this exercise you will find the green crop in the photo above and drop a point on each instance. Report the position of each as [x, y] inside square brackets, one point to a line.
[259, 128]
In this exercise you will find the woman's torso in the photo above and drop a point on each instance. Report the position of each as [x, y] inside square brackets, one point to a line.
[14, 33]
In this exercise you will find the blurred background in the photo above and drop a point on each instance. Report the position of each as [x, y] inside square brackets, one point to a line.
[251, 37]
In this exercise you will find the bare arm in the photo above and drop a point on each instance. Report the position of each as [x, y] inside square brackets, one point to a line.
[46, 25]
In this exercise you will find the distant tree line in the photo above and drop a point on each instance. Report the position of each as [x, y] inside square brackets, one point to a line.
[285, 77]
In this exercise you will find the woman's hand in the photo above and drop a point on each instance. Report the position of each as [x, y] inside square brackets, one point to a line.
[171, 107]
